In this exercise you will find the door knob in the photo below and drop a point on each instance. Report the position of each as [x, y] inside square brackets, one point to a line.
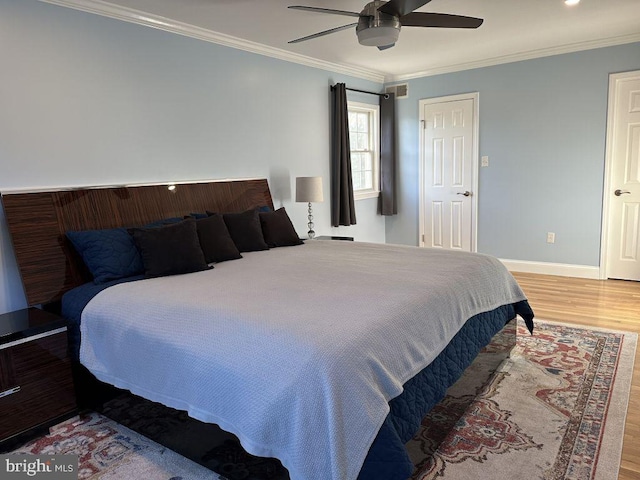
[467, 193]
[619, 192]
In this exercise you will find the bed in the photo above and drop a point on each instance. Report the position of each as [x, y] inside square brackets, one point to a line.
[332, 383]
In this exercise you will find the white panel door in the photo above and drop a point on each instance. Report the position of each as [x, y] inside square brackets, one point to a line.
[623, 245]
[448, 170]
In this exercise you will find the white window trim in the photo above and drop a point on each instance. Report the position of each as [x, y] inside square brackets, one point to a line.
[375, 109]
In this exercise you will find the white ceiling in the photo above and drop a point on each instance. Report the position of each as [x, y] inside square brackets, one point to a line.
[512, 30]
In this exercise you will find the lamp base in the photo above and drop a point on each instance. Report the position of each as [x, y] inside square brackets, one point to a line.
[311, 233]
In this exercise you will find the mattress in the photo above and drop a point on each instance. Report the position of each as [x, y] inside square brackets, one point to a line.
[334, 331]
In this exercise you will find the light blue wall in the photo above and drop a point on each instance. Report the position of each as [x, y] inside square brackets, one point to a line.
[543, 126]
[87, 100]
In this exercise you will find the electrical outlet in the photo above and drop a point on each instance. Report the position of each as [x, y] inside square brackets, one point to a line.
[484, 161]
[551, 237]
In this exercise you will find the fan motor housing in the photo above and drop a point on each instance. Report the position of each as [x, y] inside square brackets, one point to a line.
[375, 28]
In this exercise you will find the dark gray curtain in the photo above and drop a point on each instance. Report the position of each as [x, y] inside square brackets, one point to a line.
[343, 210]
[388, 202]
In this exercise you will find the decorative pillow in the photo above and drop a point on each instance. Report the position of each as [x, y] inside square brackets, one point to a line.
[278, 230]
[109, 254]
[215, 240]
[170, 250]
[245, 230]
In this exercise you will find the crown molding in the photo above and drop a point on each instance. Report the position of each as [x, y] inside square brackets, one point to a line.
[130, 15]
[544, 52]
[106, 9]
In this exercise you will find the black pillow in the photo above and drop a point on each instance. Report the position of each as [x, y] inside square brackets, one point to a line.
[245, 230]
[278, 230]
[170, 250]
[215, 240]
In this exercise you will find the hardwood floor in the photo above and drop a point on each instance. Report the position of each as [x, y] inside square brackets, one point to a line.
[613, 304]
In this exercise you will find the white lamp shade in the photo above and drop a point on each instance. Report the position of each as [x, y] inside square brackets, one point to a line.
[309, 189]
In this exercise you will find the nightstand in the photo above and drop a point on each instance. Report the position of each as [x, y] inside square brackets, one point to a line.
[333, 237]
[36, 386]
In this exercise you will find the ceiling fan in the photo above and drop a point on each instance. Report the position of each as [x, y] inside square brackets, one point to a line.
[379, 22]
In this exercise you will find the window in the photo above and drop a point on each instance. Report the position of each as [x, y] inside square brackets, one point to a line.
[365, 157]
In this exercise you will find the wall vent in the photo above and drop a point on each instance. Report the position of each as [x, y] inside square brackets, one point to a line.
[401, 90]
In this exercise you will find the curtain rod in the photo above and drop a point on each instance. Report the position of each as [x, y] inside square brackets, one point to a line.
[385, 95]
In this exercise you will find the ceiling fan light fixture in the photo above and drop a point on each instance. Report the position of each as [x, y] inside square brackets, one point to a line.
[377, 29]
[380, 21]
[378, 36]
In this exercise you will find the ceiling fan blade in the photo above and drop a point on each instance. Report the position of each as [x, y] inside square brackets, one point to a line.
[385, 47]
[439, 20]
[322, 34]
[325, 10]
[400, 8]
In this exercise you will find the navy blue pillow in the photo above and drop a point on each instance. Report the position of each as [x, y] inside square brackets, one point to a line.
[108, 254]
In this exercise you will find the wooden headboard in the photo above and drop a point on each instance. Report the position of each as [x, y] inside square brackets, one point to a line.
[37, 221]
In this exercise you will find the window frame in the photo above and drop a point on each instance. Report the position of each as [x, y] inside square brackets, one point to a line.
[374, 139]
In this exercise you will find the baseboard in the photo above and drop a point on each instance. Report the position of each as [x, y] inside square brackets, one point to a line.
[559, 269]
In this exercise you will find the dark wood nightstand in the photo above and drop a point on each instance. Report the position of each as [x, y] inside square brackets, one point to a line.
[333, 237]
[36, 386]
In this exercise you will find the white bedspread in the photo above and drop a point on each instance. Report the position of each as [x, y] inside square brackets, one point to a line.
[296, 350]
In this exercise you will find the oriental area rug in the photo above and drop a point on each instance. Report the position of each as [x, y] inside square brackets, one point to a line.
[554, 410]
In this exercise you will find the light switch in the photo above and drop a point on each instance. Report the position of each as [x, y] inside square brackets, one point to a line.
[484, 161]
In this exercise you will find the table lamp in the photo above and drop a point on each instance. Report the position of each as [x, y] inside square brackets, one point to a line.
[309, 189]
